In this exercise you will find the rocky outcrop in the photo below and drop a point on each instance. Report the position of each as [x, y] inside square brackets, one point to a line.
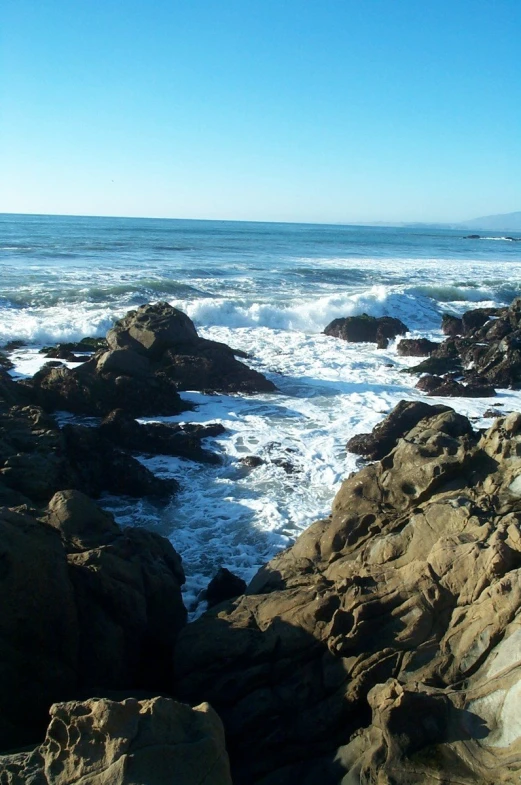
[133, 742]
[383, 646]
[86, 606]
[153, 353]
[416, 347]
[364, 328]
[224, 586]
[483, 348]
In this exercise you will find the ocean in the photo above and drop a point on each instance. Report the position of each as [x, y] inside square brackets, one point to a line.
[268, 289]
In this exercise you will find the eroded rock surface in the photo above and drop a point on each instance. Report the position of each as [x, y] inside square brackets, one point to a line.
[364, 328]
[384, 645]
[145, 742]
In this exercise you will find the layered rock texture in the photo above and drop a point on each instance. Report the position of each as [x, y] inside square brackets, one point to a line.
[153, 353]
[384, 645]
[104, 742]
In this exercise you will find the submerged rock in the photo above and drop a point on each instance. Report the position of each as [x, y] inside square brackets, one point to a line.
[133, 742]
[382, 645]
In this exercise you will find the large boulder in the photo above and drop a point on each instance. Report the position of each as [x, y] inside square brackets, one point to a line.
[133, 742]
[366, 329]
[413, 582]
[153, 353]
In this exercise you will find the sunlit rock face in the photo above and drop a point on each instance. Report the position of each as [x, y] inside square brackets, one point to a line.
[384, 646]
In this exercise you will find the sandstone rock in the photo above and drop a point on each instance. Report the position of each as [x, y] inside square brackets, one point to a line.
[147, 742]
[397, 606]
[365, 328]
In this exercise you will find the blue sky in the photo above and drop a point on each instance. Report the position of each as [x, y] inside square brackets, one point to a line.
[289, 110]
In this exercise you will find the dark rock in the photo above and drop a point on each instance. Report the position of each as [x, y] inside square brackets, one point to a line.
[384, 436]
[436, 366]
[252, 461]
[99, 466]
[153, 353]
[152, 329]
[5, 362]
[472, 237]
[12, 346]
[451, 325]
[365, 329]
[472, 320]
[416, 347]
[183, 441]
[39, 634]
[224, 586]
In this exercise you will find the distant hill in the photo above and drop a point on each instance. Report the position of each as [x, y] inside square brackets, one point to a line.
[508, 222]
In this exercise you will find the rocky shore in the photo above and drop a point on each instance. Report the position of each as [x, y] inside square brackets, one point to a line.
[382, 647]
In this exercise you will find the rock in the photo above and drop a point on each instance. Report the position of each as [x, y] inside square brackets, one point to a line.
[152, 329]
[224, 586]
[472, 237]
[471, 320]
[5, 362]
[447, 387]
[366, 328]
[153, 353]
[183, 441]
[252, 461]
[133, 742]
[67, 351]
[39, 634]
[416, 347]
[385, 435]
[99, 466]
[451, 325]
[384, 644]
[436, 366]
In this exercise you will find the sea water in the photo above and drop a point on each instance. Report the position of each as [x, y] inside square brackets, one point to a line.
[268, 289]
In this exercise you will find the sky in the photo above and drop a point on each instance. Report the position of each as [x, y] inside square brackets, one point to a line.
[271, 110]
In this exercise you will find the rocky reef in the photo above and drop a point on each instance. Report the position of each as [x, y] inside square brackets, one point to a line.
[384, 646]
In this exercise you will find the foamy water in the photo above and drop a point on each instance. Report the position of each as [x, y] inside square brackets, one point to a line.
[269, 290]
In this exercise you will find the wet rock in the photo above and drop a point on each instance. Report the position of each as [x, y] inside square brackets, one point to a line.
[476, 318]
[416, 347]
[153, 353]
[224, 586]
[364, 328]
[252, 461]
[451, 325]
[133, 742]
[436, 366]
[184, 441]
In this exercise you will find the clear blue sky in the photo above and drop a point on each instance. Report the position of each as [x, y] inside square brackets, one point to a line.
[299, 110]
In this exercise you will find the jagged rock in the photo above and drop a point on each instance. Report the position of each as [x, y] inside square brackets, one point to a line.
[415, 578]
[224, 586]
[145, 742]
[385, 435]
[153, 353]
[446, 387]
[416, 347]
[477, 317]
[365, 328]
[183, 441]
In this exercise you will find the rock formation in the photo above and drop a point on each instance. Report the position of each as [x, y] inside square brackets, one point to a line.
[383, 646]
[86, 605]
[145, 742]
[483, 350]
[153, 353]
[366, 328]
